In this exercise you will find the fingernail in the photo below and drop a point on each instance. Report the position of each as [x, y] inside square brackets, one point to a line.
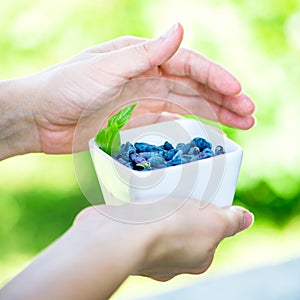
[170, 31]
[248, 220]
[248, 122]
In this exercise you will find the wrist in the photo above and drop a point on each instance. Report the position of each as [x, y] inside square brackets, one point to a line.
[132, 243]
[90, 261]
[18, 134]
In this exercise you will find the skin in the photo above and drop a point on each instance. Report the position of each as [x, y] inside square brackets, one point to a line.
[85, 264]
[53, 100]
[42, 113]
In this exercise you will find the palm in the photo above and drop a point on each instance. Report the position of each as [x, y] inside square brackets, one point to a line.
[81, 92]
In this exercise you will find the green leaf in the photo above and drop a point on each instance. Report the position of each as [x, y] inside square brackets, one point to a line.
[108, 139]
[122, 117]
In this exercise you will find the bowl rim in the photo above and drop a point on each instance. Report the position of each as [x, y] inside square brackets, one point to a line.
[93, 145]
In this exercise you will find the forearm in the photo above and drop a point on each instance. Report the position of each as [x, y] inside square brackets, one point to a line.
[18, 134]
[83, 264]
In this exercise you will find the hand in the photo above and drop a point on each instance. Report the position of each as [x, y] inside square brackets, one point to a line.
[184, 242]
[189, 238]
[64, 91]
[97, 254]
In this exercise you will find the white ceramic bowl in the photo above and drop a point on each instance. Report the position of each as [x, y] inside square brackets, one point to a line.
[211, 180]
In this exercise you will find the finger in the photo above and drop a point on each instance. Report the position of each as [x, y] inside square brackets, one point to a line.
[136, 59]
[224, 116]
[231, 119]
[192, 64]
[177, 103]
[236, 219]
[240, 104]
[156, 95]
[116, 44]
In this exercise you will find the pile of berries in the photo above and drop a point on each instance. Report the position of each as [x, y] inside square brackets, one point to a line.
[144, 156]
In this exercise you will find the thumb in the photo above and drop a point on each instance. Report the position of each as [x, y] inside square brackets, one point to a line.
[136, 59]
[237, 219]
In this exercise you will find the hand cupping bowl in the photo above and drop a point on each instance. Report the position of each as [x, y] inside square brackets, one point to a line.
[210, 180]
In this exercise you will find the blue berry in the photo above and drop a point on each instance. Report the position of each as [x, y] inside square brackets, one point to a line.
[168, 155]
[167, 146]
[129, 165]
[206, 153]
[201, 143]
[145, 147]
[186, 148]
[176, 160]
[137, 159]
[157, 162]
[219, 150]
[180, 146]
[194, 151]
[189, 158]
[147, 155]
[144, 156]
[122, 161]
[125, 150]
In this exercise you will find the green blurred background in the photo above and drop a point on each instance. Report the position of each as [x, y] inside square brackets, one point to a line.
[258, 41]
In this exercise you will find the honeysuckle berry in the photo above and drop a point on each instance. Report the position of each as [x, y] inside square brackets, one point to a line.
[157, 162]
[122, 161]
[219, 150]
[137, 159]
[129, 165]
[145, 157]
[167, 146]
[208, 151]
[145, 147]
[186, 148]
[176, 160]
[179, 146]
[201, 143]
[194, 151]
[168, 155]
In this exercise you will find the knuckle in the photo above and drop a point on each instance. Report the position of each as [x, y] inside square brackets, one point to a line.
[218, 224]
[142, 48]
[188, 63]
[85, 213]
